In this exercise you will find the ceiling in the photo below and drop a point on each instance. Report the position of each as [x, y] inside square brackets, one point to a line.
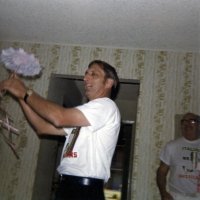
[143, 24]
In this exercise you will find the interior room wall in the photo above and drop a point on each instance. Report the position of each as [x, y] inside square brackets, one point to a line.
[169, 85]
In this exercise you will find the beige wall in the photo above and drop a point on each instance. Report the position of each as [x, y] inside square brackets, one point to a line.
[169, 86]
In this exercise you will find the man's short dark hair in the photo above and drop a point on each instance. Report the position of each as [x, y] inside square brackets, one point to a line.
[110, 72]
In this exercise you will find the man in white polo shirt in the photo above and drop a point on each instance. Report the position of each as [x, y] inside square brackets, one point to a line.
[84, 167]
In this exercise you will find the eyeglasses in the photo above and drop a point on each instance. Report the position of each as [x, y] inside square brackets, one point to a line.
[191, 121]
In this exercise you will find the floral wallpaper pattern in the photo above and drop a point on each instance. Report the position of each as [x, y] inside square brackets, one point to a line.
[169, 83]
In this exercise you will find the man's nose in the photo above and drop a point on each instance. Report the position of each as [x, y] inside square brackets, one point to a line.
[86, 77]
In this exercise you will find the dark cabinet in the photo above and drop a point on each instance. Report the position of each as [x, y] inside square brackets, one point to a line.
[118, 185]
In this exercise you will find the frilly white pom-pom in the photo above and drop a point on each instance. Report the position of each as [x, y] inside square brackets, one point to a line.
[20, 62]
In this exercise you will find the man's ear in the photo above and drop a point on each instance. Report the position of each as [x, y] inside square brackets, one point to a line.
[109, 83]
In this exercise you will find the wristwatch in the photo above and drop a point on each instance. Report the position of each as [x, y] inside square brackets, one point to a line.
[29, 92]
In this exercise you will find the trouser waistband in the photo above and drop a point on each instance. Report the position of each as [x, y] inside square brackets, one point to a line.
[87, 181]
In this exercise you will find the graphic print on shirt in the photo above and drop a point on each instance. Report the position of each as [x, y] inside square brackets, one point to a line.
[192, 155]
[192, 169]
[68, 151]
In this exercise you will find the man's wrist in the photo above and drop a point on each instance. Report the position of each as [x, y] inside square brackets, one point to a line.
[28, 93]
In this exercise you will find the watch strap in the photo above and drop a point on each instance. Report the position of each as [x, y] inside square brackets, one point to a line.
[28, 94]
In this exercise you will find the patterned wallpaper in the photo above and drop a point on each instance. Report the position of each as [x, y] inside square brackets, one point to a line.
[169, 85]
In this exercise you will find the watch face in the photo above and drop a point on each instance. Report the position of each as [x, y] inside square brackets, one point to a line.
[29, 92]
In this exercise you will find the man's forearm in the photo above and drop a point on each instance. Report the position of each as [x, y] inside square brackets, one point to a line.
[39, 124]
[161, 182]
[45, 108]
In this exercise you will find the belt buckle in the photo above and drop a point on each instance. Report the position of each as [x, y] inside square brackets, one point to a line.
[86, 181]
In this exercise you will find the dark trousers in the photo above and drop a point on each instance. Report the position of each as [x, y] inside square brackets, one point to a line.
[80, 188]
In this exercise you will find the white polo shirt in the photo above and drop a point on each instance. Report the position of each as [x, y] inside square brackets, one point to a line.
[94, 148]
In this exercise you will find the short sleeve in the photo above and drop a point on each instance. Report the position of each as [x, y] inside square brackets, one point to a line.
[99, 112]
[166, 154]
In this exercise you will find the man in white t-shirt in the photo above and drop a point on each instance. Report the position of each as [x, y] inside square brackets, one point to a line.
[181, 157]
[85, 167]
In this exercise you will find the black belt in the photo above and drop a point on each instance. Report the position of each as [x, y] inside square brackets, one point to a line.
[81, 180]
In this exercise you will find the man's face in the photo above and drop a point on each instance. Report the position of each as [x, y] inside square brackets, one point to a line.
[95, 82]
[189, 125]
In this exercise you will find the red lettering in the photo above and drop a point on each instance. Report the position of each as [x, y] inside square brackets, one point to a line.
[75, 155]
[71, 155]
